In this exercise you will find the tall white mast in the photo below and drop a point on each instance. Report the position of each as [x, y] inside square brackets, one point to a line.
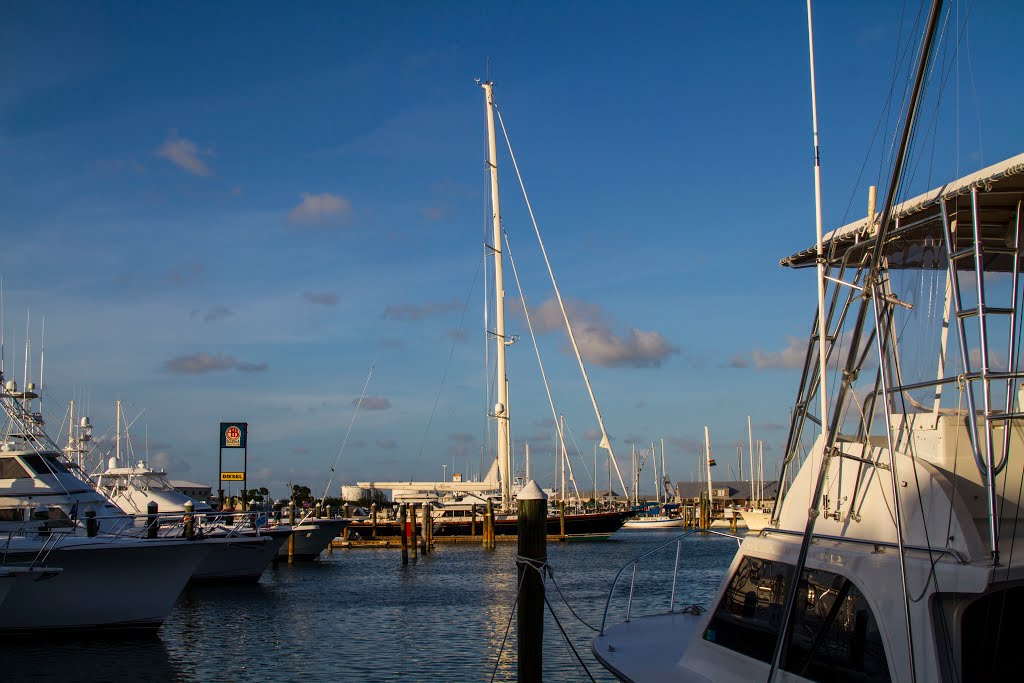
[501, 410]
[117, 438]
[657, 481]
[750, 434]
[707, 447]
[664, 472]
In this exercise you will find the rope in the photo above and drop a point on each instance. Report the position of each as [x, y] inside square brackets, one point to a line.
[565, 637]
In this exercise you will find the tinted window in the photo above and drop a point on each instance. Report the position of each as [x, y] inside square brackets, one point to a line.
[834, 636]
[39, 465]
[12, 469]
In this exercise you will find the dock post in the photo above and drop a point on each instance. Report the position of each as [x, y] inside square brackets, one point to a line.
[316, 510]
[373, 518]
[488, 535]
[291, 537]
[530, 565]
[345, 511]
[561, 518]
[152, 523]
[190, 520]
[92, 527]
[428, 523]
[414, 534]
[472, 521]
[404, 532]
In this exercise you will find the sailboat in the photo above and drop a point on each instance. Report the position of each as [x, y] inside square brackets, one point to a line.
[658, 520]
[498, 483]
[895, 553]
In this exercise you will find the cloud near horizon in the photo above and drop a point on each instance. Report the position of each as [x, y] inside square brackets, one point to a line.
[184, 154]
[321, 298]
[373, 403]
[203, 363]
[598, 342]
[421, 311]
[320, 209]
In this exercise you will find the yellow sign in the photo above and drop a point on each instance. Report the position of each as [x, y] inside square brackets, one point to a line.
[232, 476]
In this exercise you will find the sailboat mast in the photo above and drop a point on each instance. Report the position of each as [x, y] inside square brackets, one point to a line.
[117, 438]
[707, 447]
[501, 411]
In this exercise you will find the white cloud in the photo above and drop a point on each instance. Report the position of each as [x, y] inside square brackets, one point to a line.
[598, 343]
[320, 209]
[185, 154]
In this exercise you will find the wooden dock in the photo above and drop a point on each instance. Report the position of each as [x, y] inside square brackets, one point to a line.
[396, 541]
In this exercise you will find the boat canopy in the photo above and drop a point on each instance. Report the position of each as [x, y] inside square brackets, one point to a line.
[915, 240]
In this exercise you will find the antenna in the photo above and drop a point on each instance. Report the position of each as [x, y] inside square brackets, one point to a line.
[42, 348]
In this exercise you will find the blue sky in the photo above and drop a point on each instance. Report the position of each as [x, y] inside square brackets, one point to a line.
[230, 210]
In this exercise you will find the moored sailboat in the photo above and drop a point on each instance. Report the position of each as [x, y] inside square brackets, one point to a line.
[498, 484]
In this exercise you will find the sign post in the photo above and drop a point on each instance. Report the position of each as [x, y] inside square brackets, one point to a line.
[233, 435]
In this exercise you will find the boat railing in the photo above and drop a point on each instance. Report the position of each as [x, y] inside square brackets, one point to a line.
[51, 537]
[635, 564]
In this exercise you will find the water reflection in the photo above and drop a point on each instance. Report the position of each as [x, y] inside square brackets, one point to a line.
[360, 615]
[64, 658]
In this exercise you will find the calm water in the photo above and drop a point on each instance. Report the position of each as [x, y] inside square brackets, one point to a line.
[359, 615]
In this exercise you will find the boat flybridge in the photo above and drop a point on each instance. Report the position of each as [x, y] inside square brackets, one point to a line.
[897, 552]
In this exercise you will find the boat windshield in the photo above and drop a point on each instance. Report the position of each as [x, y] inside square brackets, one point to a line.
[835, 635]
[44, 464]
[10, 468]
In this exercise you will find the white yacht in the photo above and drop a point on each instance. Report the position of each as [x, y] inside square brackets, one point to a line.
[897, 551]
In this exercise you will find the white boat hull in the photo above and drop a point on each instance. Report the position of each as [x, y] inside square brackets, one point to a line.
[152, 573]
[311, 537]
[656, 522]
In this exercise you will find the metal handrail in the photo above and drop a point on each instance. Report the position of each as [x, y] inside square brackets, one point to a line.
[678, 540]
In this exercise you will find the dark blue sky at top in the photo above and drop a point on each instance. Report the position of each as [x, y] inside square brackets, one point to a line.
[666, 148]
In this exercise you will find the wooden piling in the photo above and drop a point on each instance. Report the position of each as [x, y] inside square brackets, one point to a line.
[92, 527]
[373, 517]
[533, 513]
[414, 533]
[291, 537]
[472, 521]
[428, 523]
[561, 518]
[488, 535]
[152, 523]
[404, 533]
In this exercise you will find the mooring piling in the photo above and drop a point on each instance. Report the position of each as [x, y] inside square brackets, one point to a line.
[404, 533]
[531, 564]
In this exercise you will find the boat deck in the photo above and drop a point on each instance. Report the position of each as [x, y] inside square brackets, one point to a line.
[648, 648]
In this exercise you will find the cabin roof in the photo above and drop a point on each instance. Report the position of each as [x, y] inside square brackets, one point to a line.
[913, 242]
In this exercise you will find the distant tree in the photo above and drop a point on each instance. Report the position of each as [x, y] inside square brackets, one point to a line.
[301, 494]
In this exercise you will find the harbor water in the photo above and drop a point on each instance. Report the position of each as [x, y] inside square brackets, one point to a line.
[359, 615]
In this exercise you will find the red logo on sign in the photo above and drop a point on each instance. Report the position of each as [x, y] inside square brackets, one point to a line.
[233, 437]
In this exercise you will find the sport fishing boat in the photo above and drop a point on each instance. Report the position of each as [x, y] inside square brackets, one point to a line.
[38, 482]
[498, 484]
[896, 553]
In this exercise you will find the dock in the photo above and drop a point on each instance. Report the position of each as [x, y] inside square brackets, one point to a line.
[396, 541]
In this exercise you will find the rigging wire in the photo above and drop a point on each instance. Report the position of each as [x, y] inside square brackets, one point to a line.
[605, 442]
[444, 375]
[344, 441]
[536, 349]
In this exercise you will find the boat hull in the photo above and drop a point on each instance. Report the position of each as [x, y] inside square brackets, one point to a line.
[237, 559]
[311, 537]
[84, 595]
